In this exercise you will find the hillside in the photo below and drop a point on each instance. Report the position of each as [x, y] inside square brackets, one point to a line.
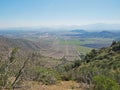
[100, 69]
[20, 43]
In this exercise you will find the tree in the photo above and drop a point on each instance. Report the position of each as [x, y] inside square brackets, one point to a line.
[5, 72]
[5, 69]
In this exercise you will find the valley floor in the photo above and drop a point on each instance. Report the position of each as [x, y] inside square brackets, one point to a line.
[58, 50]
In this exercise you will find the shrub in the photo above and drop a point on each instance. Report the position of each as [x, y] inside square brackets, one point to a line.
[45, 75]
[104, 83]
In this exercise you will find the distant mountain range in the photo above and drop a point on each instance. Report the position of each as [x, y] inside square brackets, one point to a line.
[88, 27]
[96, 34]
[101, 27]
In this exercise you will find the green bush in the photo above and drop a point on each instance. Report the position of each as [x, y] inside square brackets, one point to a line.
[45, 75]
[104, 83]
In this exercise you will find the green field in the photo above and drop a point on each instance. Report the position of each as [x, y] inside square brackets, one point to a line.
[77, 44]
[80, 42]
[83, 49]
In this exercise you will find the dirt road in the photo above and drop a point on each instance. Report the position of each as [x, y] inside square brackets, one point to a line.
[58, 50]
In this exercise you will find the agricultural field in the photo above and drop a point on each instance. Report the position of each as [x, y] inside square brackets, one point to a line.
[58, 51]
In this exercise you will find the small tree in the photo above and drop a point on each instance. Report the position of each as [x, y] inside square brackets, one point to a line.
[5, 69]
[5, 72]
[113, 43]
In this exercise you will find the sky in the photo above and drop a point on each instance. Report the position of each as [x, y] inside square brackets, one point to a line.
[29, 13]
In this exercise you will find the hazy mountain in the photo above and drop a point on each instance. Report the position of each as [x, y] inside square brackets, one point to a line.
[101, 26]
[95, 34]
[79, 31]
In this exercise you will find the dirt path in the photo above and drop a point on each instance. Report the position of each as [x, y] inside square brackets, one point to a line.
[63, 85]
[71, 52]
[58, 50]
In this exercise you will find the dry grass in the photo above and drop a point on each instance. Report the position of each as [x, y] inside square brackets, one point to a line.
[63, 85]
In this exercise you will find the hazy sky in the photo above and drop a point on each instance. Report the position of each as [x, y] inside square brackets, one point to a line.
[20, 13]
